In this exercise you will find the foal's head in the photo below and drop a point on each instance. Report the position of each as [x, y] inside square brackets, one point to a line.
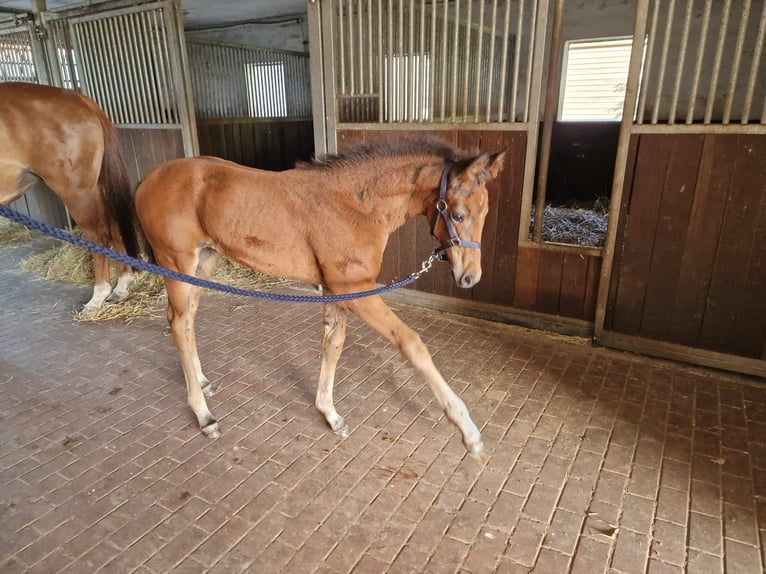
[457, 219]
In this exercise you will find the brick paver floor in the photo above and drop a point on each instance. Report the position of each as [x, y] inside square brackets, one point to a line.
[599, 461]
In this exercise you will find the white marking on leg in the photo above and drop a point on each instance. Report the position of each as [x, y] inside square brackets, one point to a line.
[121, 290]
[100, 293]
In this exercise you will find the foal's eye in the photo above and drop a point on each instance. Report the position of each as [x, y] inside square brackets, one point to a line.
[457, 216]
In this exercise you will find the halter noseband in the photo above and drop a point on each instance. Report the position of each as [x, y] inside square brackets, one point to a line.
[441, 209]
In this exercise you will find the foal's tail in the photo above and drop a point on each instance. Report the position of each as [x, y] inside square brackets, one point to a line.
[115, 187]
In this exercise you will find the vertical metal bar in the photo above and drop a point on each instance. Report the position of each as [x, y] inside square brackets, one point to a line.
[643, 92]
[491, 77]
[390, 81]
[717, 61]
[453, 103]
[479, 60]
[381, 60]
[737, 60]
[517, 59]
[504, 65]
[111, 44]
[549, 116]
[410, 91]
[757, 53]
[621, 162]
[167, 79]
[370, 52]
[432, 65]
[700, 58]
[443, 99]
[361, 50]
[529, 67]
[401, 66]
[663, 61]
[148, 110]
[467, 62]
[92, 42]
[151, 66]
[421, 101]
[530, 152]
[681, 60]
[132, 78]
[349, 34]
[341, 50]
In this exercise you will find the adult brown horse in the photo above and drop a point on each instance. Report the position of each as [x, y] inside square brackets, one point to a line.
[325, 223]
[62, 139]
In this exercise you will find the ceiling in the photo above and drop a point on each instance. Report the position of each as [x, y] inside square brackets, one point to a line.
[197, 13]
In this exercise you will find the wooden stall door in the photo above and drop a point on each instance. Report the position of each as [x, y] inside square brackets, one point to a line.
[689, 275]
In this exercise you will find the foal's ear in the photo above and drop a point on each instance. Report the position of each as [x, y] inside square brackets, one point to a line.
[486, 166]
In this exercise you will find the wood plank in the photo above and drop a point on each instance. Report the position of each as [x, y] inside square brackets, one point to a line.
[591, 287]
[649, 177]
[728, 296]
[622, 223]
[527, 271]
[702, 237]
[507, 191]
[549, 282]
[574, 276]
[670, 235]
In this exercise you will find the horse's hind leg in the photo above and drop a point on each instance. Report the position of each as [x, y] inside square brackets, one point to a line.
[332, 345]
[374, 312]
[124, 272]
[182, 307]
[101, 285]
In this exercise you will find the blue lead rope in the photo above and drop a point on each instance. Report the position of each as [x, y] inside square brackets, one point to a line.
[170, 274]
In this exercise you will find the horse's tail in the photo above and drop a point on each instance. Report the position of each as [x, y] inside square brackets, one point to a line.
[115, 187]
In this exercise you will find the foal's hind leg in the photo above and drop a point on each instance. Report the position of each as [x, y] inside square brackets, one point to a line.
[332, 346]
[182, 307]
[374, 312]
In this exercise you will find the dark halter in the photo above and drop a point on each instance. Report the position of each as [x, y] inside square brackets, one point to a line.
[441, 209]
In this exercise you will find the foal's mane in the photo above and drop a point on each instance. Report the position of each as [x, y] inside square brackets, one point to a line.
[418, 146]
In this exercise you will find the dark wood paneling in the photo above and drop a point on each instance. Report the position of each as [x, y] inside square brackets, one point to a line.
[526, 278]
[274, 145]
[702, 239]
[673, 222]
[650, 172]
[144, 149]
[729, 298]
[692, 270]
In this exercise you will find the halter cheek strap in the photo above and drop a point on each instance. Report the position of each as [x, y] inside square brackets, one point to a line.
[441, 210]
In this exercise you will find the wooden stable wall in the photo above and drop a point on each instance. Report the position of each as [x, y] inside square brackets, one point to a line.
[266, 144]
[145, 148]
[690, 257]
[538, 279]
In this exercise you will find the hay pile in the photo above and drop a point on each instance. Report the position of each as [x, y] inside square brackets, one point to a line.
[575, 225]
[72, 264]
[11, 233]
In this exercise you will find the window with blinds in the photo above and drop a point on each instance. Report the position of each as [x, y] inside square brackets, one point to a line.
[594, 78]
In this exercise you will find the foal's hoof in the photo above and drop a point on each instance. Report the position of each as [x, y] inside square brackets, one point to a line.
[339, 426]
[88, 313]
[212, 430]
[342, 432]
[476, 449]
[209, 390]
[117, 296]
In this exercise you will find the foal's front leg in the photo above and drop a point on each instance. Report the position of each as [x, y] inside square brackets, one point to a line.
[374, 312]
[332, 345]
